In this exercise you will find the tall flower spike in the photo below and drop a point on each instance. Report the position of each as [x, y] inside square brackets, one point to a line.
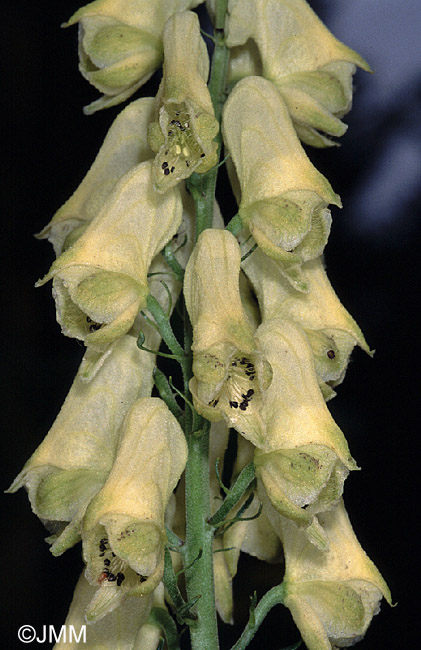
[120, 44]
[332, 596]
[124, 147]
[185, 125]
[123, 628]
[311, 69]
[330, 329]
[100, 283]
[230, 373]
[284, 198]
[124, 533]
[73, 462]
[304, 459]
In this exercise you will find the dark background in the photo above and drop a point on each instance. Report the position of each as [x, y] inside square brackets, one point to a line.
[373, 263]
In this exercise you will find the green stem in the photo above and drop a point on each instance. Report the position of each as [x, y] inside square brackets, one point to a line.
[273, 597]
[198, 557]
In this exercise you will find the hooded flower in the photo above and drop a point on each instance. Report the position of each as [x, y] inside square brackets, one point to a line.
[123, 529]
[73, 462]
[185, 125]
[125, 628]
[284, 198]
[311, 69]
[230, 373]
[120, 44]
[331, 331]
[124, 147]
[304, 458]
[332, 596]
[100, 283]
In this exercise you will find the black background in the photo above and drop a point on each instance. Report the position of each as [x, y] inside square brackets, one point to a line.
[372, 260]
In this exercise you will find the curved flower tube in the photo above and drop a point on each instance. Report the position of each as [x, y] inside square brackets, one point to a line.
[73, 461]
[332, 596]
[311, 69]
[100, 283]
[124, 628]
[230, 372]
[304, 458]
[284, 198]
[330, 329]
[120, 44]
[123, 528]
[124, 147]
[182, 135]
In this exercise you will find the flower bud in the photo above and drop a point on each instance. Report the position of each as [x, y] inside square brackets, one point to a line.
[100, 283]
[123, 529]
[304, 458]
[73, 462]
[120, 44]
[284, 198]
[330, 330]
[124, 147]
[230, 373]
[311, 69]
[332, 596]
[185, 126]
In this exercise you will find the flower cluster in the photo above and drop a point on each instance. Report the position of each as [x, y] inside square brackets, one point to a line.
[270, 338]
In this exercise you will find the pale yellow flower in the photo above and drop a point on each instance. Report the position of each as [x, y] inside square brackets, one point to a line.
[125, 628]
[73, 462]
[230, 373]
[332, 595]
[123, 528]
[185, 125]
[100, 283]
[304, 457]
[284, 198]
[311, 69]
[331, 331]
[120, 44]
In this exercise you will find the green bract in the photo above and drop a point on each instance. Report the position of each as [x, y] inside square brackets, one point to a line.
[304, 458]
[311, 69]
[120, 44]
[284, 198]
[100, 283]
[124, 147]
[230, 373]
[123, 528]
[332, 596]
[73, 462]
[185, 125]
[331, 331]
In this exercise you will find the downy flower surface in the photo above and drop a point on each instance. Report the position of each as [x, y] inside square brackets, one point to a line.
[123, 528]
[331, 331]
[125, 628]
[311, 69]
[125, 146]
[304, 458]
[185, 125]
[230, 373]
[120, 44]
[73, 462]
[284, 198]
[332, 596]
[100, 283]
